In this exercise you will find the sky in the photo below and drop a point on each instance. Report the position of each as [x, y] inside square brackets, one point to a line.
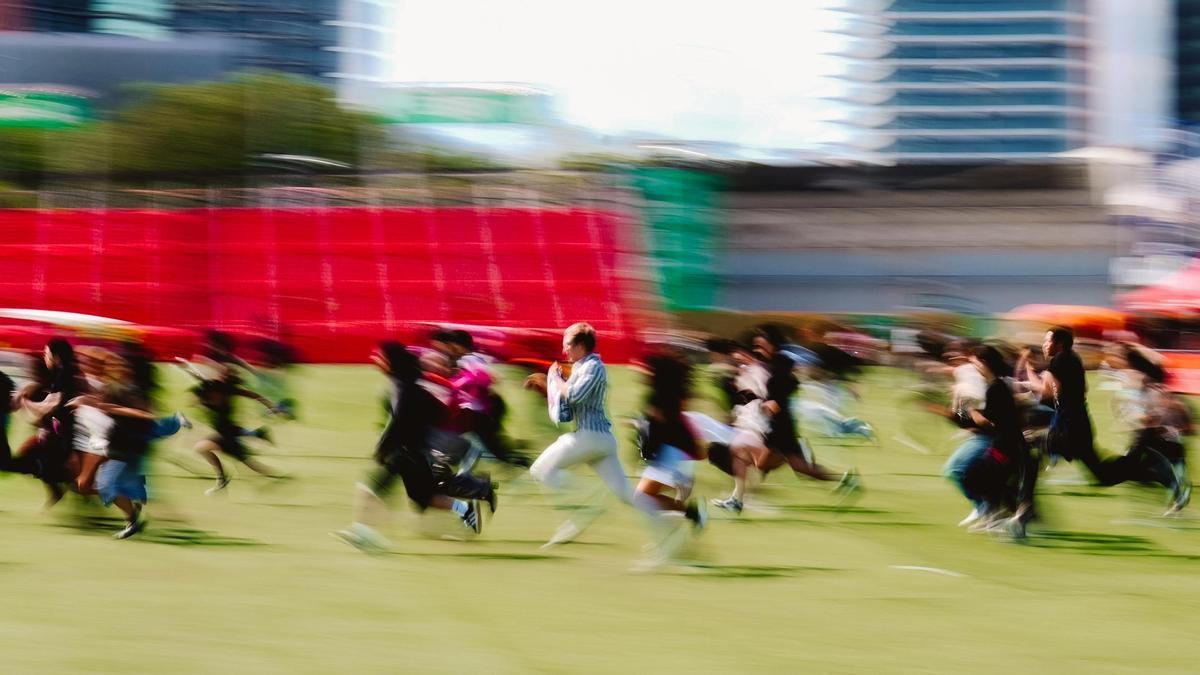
[750, 72]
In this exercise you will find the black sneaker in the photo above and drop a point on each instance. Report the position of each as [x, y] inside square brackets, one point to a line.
[471, 518]
[697, 512]
[491, 499]
[131, 528]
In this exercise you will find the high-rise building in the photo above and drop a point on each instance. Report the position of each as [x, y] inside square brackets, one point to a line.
[1187, 61]
[57, 16]
[135, 18]
[967, 81]
[292, 36]
[365, 33]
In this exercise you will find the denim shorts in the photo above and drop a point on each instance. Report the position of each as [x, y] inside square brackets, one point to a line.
[121, 479]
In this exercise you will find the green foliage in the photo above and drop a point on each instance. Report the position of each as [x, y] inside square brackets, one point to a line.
[223, 126]
[208, 127]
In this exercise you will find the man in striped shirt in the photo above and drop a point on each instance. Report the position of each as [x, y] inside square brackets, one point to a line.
[582, 397]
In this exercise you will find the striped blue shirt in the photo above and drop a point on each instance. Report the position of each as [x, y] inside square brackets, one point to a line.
[587, 392]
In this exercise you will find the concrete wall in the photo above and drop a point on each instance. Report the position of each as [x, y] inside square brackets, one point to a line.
[880, 251]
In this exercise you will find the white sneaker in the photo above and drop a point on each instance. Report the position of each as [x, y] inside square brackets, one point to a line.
[565, 533]
[364, 538]
[973, 516]
[729, 504]
[986, 523]
[652, 563]
[222, 483]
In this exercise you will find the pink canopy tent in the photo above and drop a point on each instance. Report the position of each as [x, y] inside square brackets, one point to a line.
[1178, 294]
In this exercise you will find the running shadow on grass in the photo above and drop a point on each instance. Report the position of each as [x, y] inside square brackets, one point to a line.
[539, 542]
[832, 508]
[186, 536]
[1093, 543]
[745, 571]
[156, 532]
[496, 555]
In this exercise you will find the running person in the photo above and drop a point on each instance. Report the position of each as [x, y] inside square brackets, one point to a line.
[1071, 436]
[997, 454]
[121, 478]
[580, 397]
[218, 397]
[766, 429]
[48, 454]
[402, 453]
[667, 444]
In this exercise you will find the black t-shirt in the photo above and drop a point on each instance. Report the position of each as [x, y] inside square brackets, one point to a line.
[782, 383]
[128, 436]
[1001, 410]
[414, 412]
[218, 397]
[1072, 386]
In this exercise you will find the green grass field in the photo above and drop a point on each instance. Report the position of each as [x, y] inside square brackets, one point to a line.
[251, 582]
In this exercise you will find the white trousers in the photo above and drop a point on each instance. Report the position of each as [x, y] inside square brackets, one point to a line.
[596, 449]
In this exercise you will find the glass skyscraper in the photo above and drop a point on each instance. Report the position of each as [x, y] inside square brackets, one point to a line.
[292, 36]
[1187, 61]
[975, 80]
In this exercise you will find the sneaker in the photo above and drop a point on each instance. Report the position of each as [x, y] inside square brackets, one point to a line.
[729, 504]
[222, 483]
[988, 523]
[364, 538]
[651, 563]
[973, 516]
[264, 435]
[471, 519]
[491, 499]
[131, 528]
[565, 534]
[184, 422]
[1015, 527]
[697, 512]
[850, 482]
[1182, 495]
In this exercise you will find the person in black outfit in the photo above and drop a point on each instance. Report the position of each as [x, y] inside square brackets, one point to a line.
[402, 452]
[48, 453]
[1071, 435]
[994, 479]
[7, 403]
[782, 384]
[665, 441]
[218, 395]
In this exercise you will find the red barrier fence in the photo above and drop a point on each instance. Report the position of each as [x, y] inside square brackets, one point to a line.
[330, 281]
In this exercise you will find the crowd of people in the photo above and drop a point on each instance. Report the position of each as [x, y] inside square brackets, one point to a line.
[96, 415]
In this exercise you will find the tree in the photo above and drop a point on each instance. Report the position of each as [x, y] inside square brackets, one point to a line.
[222, 127]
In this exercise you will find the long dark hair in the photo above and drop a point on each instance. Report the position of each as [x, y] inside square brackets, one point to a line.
[403, 364]
[1138, 361]
[993, 359]
[670, 382]
[141, 368]
[65, 376]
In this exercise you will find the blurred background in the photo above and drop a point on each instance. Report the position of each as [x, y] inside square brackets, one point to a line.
[330, 171]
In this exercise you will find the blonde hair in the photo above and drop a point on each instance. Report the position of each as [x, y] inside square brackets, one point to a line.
[581, 333]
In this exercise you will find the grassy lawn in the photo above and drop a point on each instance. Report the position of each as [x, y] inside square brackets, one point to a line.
[251, 582]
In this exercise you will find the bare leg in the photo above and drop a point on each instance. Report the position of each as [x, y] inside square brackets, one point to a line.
[126, 507]
[88, 465]
[208, 450]
[813, 470]
[652, 490]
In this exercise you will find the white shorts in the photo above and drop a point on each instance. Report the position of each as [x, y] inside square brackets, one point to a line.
[746, 438]
[672, 467]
